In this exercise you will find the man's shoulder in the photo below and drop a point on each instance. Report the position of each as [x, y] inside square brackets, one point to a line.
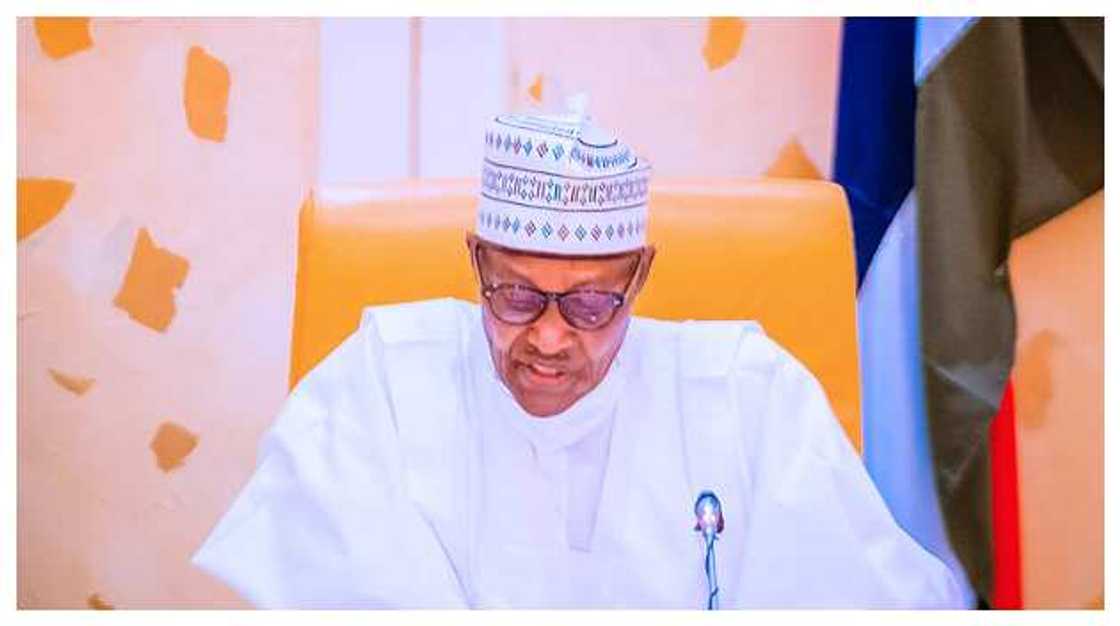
[715, 348]
[395, 349]
[438, 320]
[385, 330]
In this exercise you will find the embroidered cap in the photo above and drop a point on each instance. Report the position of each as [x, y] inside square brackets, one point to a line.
[560, 185]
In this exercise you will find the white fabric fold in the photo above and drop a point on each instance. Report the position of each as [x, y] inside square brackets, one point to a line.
[402, 474]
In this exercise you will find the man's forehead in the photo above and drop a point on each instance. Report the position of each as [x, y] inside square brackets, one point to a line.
[529, 265]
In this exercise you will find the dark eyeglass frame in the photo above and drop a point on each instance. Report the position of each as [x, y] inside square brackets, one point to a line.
[619, 299]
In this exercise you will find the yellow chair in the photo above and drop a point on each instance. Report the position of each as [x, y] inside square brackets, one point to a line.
[776, 251]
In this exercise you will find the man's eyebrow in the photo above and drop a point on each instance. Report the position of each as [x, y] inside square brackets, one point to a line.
[501, 270]
[505, 272]
[512, 273]
[581, 284]
[509, 272]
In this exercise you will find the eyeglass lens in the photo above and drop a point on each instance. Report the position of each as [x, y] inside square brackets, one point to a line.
[515, 304]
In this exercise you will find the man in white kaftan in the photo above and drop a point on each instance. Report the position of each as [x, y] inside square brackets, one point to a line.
[448, 454]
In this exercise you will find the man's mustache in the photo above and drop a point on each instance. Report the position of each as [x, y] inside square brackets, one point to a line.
[530, 355]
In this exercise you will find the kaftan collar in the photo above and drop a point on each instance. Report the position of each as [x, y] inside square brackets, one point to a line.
[548, 434]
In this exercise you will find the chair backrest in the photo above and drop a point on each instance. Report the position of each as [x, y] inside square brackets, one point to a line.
[776, 251]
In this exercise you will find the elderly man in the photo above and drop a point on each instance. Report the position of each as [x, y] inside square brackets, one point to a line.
[546, 449]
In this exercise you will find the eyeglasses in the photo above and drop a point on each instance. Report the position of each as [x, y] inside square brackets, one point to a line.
[583, 309]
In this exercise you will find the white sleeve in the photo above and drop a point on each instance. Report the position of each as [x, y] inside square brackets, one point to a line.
[822, 535]
[323, 522]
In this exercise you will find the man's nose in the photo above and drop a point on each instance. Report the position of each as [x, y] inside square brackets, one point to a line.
[550, 334]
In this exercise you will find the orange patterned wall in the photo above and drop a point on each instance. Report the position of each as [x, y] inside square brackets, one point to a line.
[161, 165]
[697, 97]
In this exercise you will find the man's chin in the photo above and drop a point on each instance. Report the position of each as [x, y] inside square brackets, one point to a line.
[542, 395]
[543, 405]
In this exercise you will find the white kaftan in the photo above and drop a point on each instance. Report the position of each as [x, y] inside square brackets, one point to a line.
[402, 473]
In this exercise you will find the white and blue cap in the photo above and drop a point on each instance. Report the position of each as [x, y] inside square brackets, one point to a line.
[560, 185]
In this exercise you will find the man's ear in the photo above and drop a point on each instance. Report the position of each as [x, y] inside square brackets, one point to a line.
[645, 263]
[472, 242]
